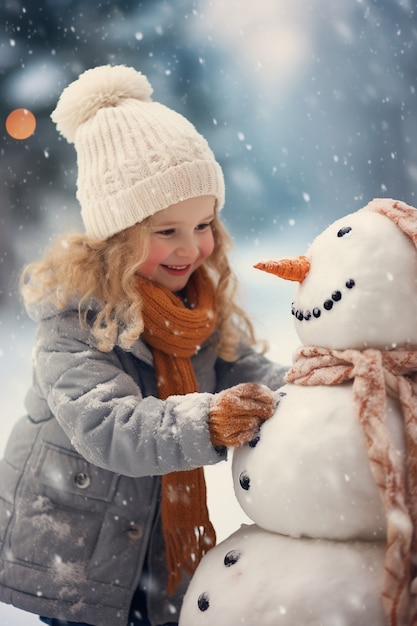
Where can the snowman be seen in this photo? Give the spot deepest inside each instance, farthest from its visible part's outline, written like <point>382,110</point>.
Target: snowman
<point>330,481</point>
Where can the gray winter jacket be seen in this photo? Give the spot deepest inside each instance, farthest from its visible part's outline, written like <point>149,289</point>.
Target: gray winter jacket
<point>80,478</point>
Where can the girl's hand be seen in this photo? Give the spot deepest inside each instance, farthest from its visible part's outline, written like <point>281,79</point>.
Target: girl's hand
<point>236,414</point>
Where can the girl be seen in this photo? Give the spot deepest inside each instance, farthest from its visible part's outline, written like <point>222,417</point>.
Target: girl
<point>144,371</point>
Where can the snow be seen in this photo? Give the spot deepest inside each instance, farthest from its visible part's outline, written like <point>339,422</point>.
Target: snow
<point>329,112</point>
<point>315,435</point>
<point>237,579</point>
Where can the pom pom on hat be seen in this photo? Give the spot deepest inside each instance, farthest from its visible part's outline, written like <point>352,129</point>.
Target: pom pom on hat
<point>96,89</point>
<point>135,156</point>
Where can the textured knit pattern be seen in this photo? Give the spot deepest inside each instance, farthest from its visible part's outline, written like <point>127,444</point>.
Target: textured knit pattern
<point>135,156</point>
<point>402,214</point>
<point>175,333</point>
<point>374,374</point>
<point>236,414</point>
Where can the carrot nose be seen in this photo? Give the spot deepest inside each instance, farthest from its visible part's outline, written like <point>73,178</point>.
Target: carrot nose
<point>295,269</point>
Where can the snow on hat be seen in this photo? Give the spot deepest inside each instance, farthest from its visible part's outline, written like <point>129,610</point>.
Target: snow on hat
<point>135,156</point>
<point>402,214</point>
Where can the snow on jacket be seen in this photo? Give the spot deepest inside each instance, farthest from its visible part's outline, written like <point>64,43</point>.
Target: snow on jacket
<point>80,477</point>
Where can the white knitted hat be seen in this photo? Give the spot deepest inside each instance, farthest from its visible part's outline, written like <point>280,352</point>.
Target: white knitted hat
<point>135,156</point>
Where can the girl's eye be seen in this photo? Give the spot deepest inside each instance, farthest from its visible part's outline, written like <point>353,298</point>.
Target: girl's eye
<point>165,233</point>
<point>203,227</point>
<point>170,232</point>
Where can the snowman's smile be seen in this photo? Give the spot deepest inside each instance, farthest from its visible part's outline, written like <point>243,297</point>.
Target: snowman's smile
<point>327,305</point>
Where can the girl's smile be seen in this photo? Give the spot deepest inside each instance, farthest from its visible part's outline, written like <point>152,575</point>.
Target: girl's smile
<point>176,271</point>
<point>181,240</point>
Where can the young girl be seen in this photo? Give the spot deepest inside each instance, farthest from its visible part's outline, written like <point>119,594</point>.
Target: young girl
<point>144,371</point>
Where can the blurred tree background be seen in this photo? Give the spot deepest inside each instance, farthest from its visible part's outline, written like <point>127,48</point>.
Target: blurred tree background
<point>310,106</point>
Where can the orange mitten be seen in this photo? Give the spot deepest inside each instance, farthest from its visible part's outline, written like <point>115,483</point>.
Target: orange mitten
<point>236,414</point>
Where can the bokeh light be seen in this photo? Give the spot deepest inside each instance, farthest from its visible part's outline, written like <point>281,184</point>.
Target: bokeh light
<point>20,124</point>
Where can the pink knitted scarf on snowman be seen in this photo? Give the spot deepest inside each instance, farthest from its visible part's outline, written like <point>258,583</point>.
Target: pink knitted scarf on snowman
<point>375,374</point>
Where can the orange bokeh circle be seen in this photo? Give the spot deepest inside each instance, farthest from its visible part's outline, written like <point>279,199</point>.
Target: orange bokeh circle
<point>20,124</point>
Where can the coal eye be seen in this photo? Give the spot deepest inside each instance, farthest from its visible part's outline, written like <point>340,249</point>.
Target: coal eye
<point>344,231</point>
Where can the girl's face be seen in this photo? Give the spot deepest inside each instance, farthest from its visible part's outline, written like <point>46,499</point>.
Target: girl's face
<point>181,239</point>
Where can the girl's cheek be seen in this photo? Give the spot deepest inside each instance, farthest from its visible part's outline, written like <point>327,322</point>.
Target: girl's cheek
<point>208,246</point>
<point>157,254</point>
<point>146,269</point>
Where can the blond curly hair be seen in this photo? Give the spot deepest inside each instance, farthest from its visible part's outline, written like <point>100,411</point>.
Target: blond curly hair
<point>105,270</point>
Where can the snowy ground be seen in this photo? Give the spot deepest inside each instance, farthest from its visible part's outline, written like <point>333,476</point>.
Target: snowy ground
<point>268,301</point>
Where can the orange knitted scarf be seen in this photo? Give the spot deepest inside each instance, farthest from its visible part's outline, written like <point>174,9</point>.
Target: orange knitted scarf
<point>375,374</point>
<point>175,332</point>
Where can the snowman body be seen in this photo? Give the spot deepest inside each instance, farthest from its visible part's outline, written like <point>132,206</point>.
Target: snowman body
<point>307,474</point>
<point>255,578</point>
<point>315,554</point>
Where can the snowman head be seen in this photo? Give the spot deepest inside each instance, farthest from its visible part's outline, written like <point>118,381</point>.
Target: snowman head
<point>357,283</point>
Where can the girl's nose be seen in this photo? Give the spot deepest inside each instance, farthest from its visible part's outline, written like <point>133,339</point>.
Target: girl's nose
<point>187,246</point>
